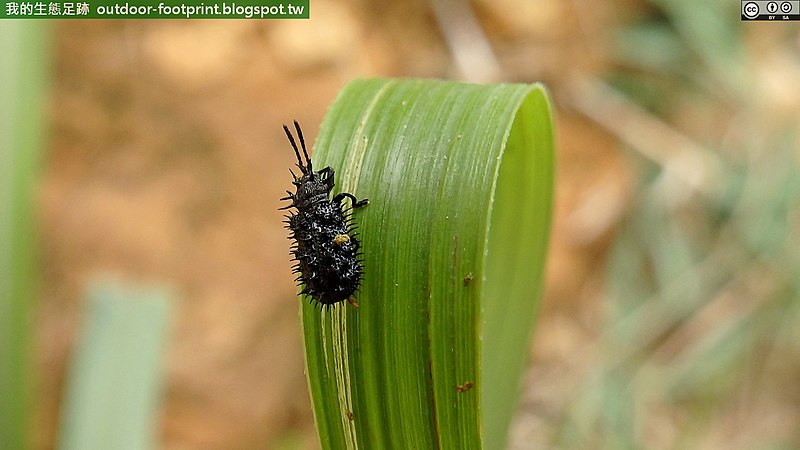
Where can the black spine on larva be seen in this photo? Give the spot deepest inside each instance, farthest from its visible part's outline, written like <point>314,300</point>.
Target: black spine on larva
<point>325,249</point>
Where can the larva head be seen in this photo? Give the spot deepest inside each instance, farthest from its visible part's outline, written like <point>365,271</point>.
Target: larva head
<point>310,185</point>
<point>313,186</point>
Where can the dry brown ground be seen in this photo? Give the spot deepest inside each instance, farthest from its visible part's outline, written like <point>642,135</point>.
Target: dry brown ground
<point>167,161</point>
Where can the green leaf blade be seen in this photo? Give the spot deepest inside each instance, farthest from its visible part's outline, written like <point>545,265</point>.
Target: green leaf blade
<point>114,383</point>
<point>405,369</point>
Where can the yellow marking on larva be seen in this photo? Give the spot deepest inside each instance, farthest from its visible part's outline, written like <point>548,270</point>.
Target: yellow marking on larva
<point>340,239</point>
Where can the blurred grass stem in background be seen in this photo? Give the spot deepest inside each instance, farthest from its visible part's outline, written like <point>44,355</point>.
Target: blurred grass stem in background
<point>22,92</point>
<point>114,386</point>
<point>695,168</point>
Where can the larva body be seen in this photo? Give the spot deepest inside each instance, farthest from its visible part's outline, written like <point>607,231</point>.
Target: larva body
<point>325,249</point>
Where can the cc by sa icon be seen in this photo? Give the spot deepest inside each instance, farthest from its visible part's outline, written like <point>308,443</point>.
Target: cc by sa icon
<point>750,10</point>
<point>772,10</point>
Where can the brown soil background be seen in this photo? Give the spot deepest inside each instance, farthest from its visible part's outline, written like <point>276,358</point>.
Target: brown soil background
<point>166,162</point>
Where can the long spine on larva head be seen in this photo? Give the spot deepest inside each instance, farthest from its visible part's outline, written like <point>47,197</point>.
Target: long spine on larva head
<point>325,249</point>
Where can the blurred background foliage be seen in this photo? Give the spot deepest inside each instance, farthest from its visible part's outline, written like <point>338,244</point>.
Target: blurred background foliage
<point>671,295</point>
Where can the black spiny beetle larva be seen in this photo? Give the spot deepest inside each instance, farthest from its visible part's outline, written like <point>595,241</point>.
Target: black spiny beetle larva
<point>325,248</point>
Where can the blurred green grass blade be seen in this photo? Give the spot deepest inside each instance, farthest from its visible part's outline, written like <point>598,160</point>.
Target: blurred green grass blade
<point>707,29</point>
<point>650,46</point>
<point>115,378</point>
<point>460,181</point>
<point>22,88</point>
